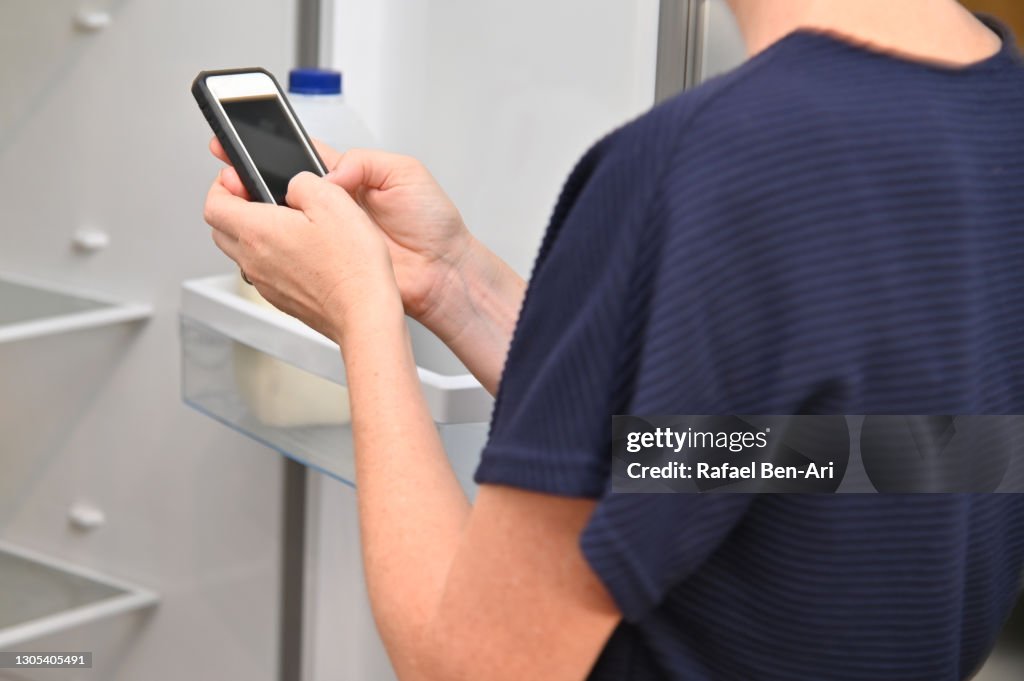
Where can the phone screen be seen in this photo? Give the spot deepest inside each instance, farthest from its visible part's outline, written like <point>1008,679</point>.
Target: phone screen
<point>273,142</point>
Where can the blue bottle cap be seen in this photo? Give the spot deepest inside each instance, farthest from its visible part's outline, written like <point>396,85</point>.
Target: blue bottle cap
<point>314,82</point>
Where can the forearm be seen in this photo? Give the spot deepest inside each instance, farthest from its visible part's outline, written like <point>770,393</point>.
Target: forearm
<point>412,509</point>
<point>475,312</point>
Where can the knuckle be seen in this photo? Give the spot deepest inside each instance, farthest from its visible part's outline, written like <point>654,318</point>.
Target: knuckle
<point>415,168</point>
<point>323,190</point>
<point>316,191</point>
<point>252,240</point>
<point>352,155</point>
<point>410,163</point>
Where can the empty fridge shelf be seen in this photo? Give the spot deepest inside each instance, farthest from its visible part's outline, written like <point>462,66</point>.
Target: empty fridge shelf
<point>43,596</point>
<point>279,382</point>
<point>29,310</point>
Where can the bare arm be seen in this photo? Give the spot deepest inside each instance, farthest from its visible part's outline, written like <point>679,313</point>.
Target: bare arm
<point>496,591</point>
<point>475,311</point>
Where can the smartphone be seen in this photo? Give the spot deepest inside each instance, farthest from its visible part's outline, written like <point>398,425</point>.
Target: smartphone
<point>258,129</point>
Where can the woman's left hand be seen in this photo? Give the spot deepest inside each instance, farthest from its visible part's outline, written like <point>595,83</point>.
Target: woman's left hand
<point>323,261</point>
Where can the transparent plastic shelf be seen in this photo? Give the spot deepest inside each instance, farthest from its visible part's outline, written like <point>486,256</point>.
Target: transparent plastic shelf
<point>272,378</point>
<point>30,310</point>
<point>43,596</point>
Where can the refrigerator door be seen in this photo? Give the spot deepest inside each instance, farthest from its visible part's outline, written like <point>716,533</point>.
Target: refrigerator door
<point>722,47</point>
<point>499,100</point>
<point>697,40</point>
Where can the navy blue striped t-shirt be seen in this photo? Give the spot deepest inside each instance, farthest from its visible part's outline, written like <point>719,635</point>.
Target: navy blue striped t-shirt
<point>826,230</point>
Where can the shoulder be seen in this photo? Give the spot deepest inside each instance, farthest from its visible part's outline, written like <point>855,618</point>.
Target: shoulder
<point>772,100</point>
<point>741,152</point>
<point>706,143</point>
<point>779,96</point>
<point>623,169</point>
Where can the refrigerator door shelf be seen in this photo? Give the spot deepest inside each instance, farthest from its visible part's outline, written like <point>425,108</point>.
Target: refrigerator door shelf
<point>30,310</point>
<point>277,381</point>
<point>43,596</point>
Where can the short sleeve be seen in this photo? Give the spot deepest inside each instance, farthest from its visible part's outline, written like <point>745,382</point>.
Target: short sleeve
<point>643,545</point>
<point>598,337</point>
<point>550,430</point>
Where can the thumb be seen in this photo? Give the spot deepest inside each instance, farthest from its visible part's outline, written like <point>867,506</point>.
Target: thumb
<point>314,195</point>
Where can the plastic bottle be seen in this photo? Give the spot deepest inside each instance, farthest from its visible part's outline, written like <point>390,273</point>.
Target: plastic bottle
<point>316,95</point>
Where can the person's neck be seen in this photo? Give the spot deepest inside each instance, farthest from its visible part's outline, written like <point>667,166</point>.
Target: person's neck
<point>927,30</point>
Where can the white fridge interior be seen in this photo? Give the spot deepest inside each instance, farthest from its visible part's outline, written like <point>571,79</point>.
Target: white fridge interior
<point>107,475</point>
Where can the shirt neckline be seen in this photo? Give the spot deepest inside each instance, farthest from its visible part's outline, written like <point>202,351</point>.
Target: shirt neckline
<point>1008,53</point>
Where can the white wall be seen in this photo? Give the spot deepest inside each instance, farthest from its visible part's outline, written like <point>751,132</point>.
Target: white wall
<point>499,100</point>
<point>101,129</point>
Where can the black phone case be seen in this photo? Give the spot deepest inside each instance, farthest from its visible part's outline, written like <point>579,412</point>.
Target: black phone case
<point>232,145</point>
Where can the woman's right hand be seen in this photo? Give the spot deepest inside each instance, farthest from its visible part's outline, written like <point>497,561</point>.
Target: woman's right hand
<point>425,233</point>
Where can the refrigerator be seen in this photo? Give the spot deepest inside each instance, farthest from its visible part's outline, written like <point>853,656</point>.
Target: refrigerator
<point>153,510</point>
<point>499,100</point>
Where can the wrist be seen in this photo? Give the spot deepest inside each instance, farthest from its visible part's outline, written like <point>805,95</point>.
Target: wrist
<point>447,292</point>
<point>475,286</point>
<point>377,311</point>
<point>441,274</point>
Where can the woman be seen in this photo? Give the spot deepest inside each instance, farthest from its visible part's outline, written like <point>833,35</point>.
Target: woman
<point>832,228</point>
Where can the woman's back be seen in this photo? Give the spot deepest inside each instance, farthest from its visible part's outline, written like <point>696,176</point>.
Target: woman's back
<point>826,230</point>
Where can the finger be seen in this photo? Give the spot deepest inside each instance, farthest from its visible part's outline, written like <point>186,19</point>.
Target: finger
<point>314,195</point>
<point>229,176</point>
<point>234,216</point>
<point>218,150</point>
<point>233,183</point>
<point>368,168</point>
<point>229,245</point>
<point>328,154</point>
<point>219,211</point>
